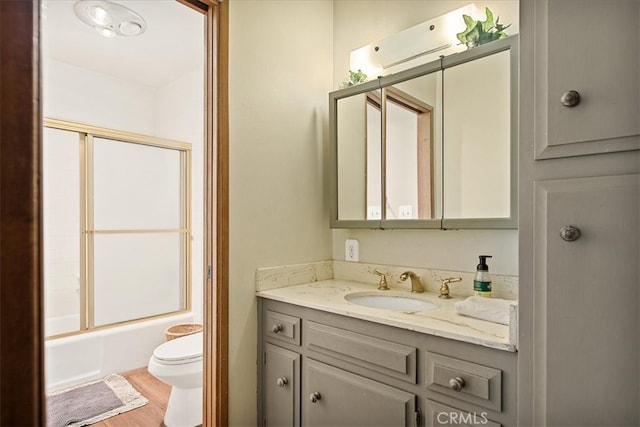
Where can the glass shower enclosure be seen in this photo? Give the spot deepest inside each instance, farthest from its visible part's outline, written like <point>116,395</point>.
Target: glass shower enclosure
<point>117,226</point>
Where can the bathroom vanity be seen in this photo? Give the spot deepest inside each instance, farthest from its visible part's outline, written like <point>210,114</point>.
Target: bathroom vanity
<point>324,361</point>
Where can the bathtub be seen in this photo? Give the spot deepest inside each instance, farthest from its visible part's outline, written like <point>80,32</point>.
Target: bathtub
<point>81,358</point>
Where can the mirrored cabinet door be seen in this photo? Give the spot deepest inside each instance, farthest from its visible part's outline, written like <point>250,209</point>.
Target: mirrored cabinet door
<point>358,156</point>
<point>477,141</point>
<point>430,147</point>
<point>412,117</point>
<point>374,155</point>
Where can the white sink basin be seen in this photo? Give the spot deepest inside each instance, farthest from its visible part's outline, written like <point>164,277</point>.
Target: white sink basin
<point>391,302</point>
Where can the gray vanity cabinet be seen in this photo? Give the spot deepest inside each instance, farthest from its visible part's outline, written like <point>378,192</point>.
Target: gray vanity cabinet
<point>335,397</point>
<point>281,386</point>
<point>580,218</point>
<point>324,369</point>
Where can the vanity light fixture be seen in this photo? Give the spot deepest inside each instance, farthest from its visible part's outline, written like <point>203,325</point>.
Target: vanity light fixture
<point>413,46</point>
<point>110,19</point>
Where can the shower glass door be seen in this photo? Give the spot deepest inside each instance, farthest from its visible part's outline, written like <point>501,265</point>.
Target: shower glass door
<point>117,227</point>
<point>137,231</point>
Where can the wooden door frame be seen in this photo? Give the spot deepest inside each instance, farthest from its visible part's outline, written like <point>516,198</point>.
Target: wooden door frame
<point>21,331</point>
<point>22,388</point>
<point>216,227</point>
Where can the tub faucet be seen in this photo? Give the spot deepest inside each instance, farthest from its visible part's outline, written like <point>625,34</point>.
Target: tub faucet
<point>416,286</point>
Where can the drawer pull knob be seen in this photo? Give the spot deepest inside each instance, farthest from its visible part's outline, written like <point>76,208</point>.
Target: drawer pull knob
<point>315,396</point>
<point>570,98</point>
<point>277,328</point>
<point>456,383</point>
<point>282,382</point>
<point>569,233</point>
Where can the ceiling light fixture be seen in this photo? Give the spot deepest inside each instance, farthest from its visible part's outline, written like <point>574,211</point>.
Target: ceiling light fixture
<point>99,15</point>
<point>110,19</point>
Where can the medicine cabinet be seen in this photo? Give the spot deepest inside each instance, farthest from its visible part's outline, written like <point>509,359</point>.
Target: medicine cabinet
<point>434,146</point>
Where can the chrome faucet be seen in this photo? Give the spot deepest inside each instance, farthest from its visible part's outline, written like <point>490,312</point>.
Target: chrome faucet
<point>416,286</point>
<point>444,289</point>
<point>382,285</point>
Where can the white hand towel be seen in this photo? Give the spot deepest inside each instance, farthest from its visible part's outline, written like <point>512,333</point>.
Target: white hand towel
<point>494,310</point>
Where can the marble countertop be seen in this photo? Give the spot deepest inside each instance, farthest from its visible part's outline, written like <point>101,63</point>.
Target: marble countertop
<point>329,295</point>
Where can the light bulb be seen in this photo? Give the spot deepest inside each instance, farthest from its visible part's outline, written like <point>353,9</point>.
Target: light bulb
<point>99,15</point>
<point>106,32</point>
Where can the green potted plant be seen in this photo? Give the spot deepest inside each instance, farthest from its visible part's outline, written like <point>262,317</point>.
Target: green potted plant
<point>355,78</point>
<point>481,32</point>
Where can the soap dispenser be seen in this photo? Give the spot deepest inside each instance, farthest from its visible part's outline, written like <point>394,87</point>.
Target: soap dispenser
<point>482,280</point>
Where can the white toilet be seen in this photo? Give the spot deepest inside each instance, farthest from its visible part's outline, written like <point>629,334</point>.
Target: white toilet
<point>179,363</point>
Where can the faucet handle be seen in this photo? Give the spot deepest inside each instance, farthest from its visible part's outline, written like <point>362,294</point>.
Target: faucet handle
<point>444,289</point>
<point>382,285</point>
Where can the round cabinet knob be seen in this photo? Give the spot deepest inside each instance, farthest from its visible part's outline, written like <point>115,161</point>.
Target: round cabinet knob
<point>456,383</point>
<point>282,382</point>
<point>569,233</point>
<point>570,98</point>
<point>277,328</point>
<point>315,396</point>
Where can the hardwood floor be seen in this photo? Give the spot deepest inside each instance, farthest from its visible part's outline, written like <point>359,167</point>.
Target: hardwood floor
<point>149,415</point>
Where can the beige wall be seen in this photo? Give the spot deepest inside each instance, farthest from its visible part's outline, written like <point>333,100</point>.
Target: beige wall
<point>280,74</point>
<point>285,56</point>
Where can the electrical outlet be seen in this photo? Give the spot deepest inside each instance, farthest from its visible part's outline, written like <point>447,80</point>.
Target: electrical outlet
<point>351,250</point>
<point>405,211</point>
<point>374,212</point>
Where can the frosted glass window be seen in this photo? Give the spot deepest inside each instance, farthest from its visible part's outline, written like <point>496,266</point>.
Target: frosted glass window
<point>136,186</point>
<point>137,276</point>
<point>61,234</point>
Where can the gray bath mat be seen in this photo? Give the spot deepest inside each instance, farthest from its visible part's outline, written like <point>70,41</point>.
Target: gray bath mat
<point>92,402</point>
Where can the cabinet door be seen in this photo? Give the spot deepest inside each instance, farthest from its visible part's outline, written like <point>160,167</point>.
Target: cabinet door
<point>281,387</point>
<point>333,397</point>
<point>586,302</point>
<point>591,47</point>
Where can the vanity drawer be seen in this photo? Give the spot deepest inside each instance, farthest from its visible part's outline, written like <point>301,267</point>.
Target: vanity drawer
<point>282,327</point>
<point>477,384</point>
<point>386,357</point>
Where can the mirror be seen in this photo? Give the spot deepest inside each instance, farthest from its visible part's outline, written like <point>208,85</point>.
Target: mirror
<point>477,149</point>
<point>412,113</point>
<point>358,156</point>
<point>430,147</point>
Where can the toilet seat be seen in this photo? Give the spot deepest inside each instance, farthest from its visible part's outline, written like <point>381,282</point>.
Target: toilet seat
<point>180,351</point>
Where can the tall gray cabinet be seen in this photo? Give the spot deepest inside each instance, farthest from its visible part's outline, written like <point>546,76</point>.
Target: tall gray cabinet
<point>579,359</point>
